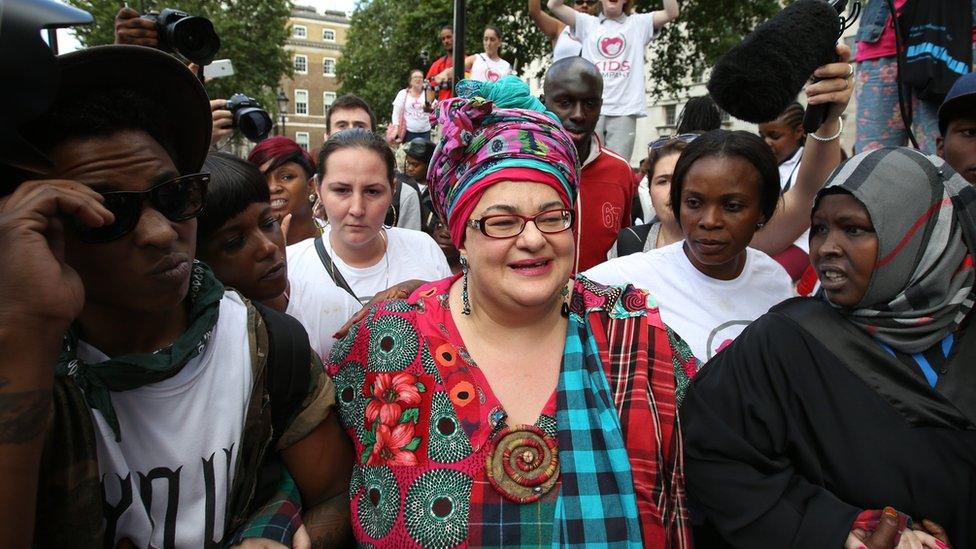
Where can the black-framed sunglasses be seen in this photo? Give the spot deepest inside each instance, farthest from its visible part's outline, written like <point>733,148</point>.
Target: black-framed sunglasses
<point>511,225</point>
<point>587,2</point>
<point>178,200</point>
<point>664,140</point>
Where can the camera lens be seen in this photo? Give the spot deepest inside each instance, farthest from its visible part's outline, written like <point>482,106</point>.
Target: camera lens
<point>254,123</point>
<point>195,39</point>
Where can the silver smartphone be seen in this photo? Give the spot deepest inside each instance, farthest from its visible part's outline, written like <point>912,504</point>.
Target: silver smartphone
<point>218,69</point>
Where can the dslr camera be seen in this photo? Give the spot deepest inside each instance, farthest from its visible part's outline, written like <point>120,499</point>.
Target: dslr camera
<point>253,121</point>
<point>190,36</point>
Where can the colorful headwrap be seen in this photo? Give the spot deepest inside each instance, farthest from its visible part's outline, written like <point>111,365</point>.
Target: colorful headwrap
<point>924,215</point>
<point>493,132</point>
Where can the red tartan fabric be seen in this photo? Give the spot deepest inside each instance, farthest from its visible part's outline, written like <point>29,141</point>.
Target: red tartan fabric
<point>642,361</point>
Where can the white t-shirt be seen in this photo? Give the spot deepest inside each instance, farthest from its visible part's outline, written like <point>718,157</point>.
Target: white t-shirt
<point>170,476</point>
<point>322,309</point>
<point>486,69</point>
<point>417,120</point>
<point>616,47</point>
<point>788,171</point>
<point>566,45</point>
<point>708,313</point>
<point>409,255</point>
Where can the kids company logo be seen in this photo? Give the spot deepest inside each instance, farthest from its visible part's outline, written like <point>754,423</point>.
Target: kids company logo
<point>493,76</point>
<point>612,46</point>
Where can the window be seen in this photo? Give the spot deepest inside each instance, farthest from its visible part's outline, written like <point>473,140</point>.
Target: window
<point>301,101</point>
<point>327,99</point>
<point>299,31</point>
<point>328,35</point>
<point>302,139</point>
<point>328,67</point>
<point>301,64</point>
<point>670,115</point>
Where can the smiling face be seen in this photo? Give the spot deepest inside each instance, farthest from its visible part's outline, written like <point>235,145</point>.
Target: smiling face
<point>416,80</point>
<point>781,138</point>
<point>148,269</point>
<point>843,248</point>
<point>527,270</point>
<point>958,147</point>
<point>720,208</point>
<point>659,185</point>
<point>614,8</point>
<point>247,253</point>
<point>356,193</point>
<point>290,188</point>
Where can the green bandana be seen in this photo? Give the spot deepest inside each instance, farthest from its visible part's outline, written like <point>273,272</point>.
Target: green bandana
<point>133,371</point>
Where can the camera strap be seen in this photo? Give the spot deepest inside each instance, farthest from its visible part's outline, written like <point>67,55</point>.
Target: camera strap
<point>330,268</point>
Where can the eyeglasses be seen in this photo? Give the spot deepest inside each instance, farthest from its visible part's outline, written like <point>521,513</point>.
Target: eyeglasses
<point>662,141</point>
<point>510,225</point>
<point>178,200</point>
<point>587,2</point>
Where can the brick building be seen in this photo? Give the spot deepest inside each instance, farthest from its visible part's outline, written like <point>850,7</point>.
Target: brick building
<point>315,45</point>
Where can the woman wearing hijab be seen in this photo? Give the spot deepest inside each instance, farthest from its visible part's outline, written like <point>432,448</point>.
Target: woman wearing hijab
<point>828,410</point>
<point>510,404</point>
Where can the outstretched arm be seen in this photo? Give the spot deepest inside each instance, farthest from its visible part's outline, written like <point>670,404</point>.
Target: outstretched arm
<point>819,159</point>
<point>549,25</point>
<point>563,12</point>
<point>668,14</point>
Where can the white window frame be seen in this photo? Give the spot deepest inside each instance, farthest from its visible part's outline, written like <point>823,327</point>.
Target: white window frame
<point>302,139</point>
<point>670,115</point>
<point>294,63</point>
<point>328,98</point>
<point>326,38</point>
<point>324,73</point>
<point>295,33</point>
<point>301,102</point>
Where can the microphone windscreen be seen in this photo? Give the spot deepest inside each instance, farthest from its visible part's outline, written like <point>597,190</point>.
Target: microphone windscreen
<point>756,80</point>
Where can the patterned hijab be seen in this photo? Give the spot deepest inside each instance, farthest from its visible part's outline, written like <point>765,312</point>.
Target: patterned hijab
<point>495,132</point>
<point>924,215</point>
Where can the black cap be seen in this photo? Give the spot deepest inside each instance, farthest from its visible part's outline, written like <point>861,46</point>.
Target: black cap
<point>420,148</point>
<point>961,100</point>
<point>156,75</point>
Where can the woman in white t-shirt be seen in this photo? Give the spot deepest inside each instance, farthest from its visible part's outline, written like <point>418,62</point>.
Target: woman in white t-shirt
<point>615,42</point>
<point>357,252</point>
<point>409,108</point>
<point>564,44</point>
<point>488,66</point>
<point>711,285</point>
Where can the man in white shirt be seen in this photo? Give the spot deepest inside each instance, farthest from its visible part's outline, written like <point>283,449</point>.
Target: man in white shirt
<point>615,42</point>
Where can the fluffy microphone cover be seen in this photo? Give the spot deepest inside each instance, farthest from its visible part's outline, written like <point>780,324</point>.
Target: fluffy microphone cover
<point>756,80</point>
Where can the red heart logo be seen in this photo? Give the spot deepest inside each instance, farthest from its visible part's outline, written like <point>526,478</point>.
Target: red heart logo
<point>612,46</point>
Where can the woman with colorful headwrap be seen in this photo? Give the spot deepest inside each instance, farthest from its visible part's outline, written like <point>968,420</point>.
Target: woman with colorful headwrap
<point>838,420</point>
<point>511,404</point>
<point>290,172</point>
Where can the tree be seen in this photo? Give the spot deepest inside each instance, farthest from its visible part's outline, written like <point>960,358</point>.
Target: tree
<point>252,35</point>
<point>386,37</point>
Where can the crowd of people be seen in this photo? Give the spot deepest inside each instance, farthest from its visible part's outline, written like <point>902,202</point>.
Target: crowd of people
<point>507,340</point>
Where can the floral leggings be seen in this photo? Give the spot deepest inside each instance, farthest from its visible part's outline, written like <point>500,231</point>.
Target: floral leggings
<point>879,122</point>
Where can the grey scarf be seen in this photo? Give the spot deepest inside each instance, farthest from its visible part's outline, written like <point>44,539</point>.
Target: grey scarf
<point>924,214</point>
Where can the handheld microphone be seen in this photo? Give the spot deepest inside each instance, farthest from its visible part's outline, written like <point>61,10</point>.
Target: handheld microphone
<point>756,80</point>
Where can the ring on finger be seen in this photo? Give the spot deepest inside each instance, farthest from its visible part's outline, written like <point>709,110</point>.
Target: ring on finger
<point>850,70</point>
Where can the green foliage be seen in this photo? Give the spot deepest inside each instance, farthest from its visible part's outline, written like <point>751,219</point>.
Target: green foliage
<point>252,35</point>
<point>386,37</point>
<point>704,31</point>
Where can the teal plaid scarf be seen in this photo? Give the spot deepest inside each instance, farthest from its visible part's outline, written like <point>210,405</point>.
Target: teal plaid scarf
<point>133,371</point>
<point>597,505</point>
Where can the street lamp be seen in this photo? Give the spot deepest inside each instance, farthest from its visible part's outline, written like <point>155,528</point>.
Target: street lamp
<point>282,101</point>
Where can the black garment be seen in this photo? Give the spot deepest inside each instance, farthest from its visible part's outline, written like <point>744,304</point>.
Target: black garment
<point>787,439</point>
